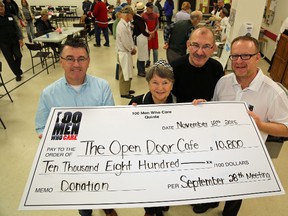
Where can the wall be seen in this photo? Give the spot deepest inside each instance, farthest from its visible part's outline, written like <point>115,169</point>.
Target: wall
<point>246,14</point>
<point>280,15</point>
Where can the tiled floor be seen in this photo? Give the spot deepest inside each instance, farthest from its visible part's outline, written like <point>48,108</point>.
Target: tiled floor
<point>19,142</point>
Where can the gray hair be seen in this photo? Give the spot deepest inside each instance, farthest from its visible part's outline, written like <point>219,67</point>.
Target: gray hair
<point>162,69</point>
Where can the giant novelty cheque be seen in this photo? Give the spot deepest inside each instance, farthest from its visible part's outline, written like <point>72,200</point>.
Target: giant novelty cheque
<point>127,156</point>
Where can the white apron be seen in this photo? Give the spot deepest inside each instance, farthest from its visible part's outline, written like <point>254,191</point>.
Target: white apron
<point>142,47</point>
<point>126,63</point>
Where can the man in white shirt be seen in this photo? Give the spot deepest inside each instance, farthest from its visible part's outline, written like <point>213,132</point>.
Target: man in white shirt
<point>268,101</point>
<point>125,49</point>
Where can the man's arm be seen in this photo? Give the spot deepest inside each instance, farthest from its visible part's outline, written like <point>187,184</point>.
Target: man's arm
<point>41,116</point>
<point>271,128</point>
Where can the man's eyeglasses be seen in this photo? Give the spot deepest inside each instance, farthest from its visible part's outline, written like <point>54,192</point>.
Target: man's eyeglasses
<point>243,56</point>
<point>205,48</point>
<point>70,59</point>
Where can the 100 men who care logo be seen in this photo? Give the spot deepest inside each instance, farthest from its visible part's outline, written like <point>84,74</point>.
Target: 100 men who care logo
<point>67,126</point>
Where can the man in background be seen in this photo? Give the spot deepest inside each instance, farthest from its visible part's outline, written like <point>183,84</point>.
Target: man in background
<point>177,34</point>
<point>11,40</point>
<point>100,14</point>
<point>125,49</point>
<point>151,20</point>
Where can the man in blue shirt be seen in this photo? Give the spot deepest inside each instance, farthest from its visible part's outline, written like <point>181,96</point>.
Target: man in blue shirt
<point>75,89</point>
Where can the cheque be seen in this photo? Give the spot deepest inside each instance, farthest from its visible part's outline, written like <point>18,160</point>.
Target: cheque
<point>116,157</point>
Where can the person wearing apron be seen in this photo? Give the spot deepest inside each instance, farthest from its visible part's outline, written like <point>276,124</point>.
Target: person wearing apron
<point>141,36</point>
<point>125,49</point>
<point>151,19</point>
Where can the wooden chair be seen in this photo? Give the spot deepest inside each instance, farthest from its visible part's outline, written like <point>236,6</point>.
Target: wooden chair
<point>2,84</point>
<point>36,51</point>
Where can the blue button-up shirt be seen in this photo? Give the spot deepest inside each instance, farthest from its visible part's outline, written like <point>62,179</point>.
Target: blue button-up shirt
<point>94,92</point>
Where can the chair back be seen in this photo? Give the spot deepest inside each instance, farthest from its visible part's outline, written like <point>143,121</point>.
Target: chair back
<point>34,46</point>
<point>79,25</point>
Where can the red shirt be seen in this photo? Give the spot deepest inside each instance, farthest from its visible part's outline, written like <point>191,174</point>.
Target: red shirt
<point>100,13</point>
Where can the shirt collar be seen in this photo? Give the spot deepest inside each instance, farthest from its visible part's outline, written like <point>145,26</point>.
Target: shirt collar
<point>256,82</point>
<point>83,84</point>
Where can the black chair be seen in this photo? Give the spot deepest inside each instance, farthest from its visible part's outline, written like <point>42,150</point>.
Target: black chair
<point>2,83</point>
<point>84,32</point>
<point>39,53</point>
<point>2,123</point>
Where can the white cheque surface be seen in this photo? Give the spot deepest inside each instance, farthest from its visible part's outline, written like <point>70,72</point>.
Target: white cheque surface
<point>120,157</point>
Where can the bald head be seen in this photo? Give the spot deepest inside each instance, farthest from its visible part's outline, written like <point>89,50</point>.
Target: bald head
<point>196,17</point>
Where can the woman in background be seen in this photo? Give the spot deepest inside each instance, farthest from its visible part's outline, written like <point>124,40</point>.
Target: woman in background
<point>28,20</point>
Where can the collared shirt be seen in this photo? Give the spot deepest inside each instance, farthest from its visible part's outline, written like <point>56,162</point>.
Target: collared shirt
<point>124,40</point>
<point>269,101</point>
<point>94,92</point>
<point>182,15</point>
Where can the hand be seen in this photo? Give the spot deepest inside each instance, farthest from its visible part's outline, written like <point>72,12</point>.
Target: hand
<point>133,52</point>
<point>165,46</point>
<point>197,101</point>
<point>256,118</point>
<point>21,43</point>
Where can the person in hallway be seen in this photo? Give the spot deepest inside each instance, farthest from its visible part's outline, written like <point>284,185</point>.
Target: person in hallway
<point>196,73</point>
<point>114,27</point>
<point>184,13</point>
<point>177,34</point>
<point>141,36</point>
<point>268,101</point>
<point>222,25</point>
<point>11,7</point>
<point>155,8</point>
<point>100,14</point>
<point>216,13</point>
<point>28,19</point>
<point>160,9</point>
<point>151,20</point>
<point>11,40</point>
<point>75,89</point>
<point>125,49</point>
<point>168,10</point>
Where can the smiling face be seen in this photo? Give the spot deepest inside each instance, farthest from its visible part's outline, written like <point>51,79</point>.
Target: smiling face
<point>160,88</point>
<point>75,72</point>
<point>201,46</point>
<point>245,70</point>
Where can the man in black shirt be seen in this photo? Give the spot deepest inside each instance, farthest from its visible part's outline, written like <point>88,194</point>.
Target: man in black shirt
<point>196,74</point>
<point>11,39</point>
